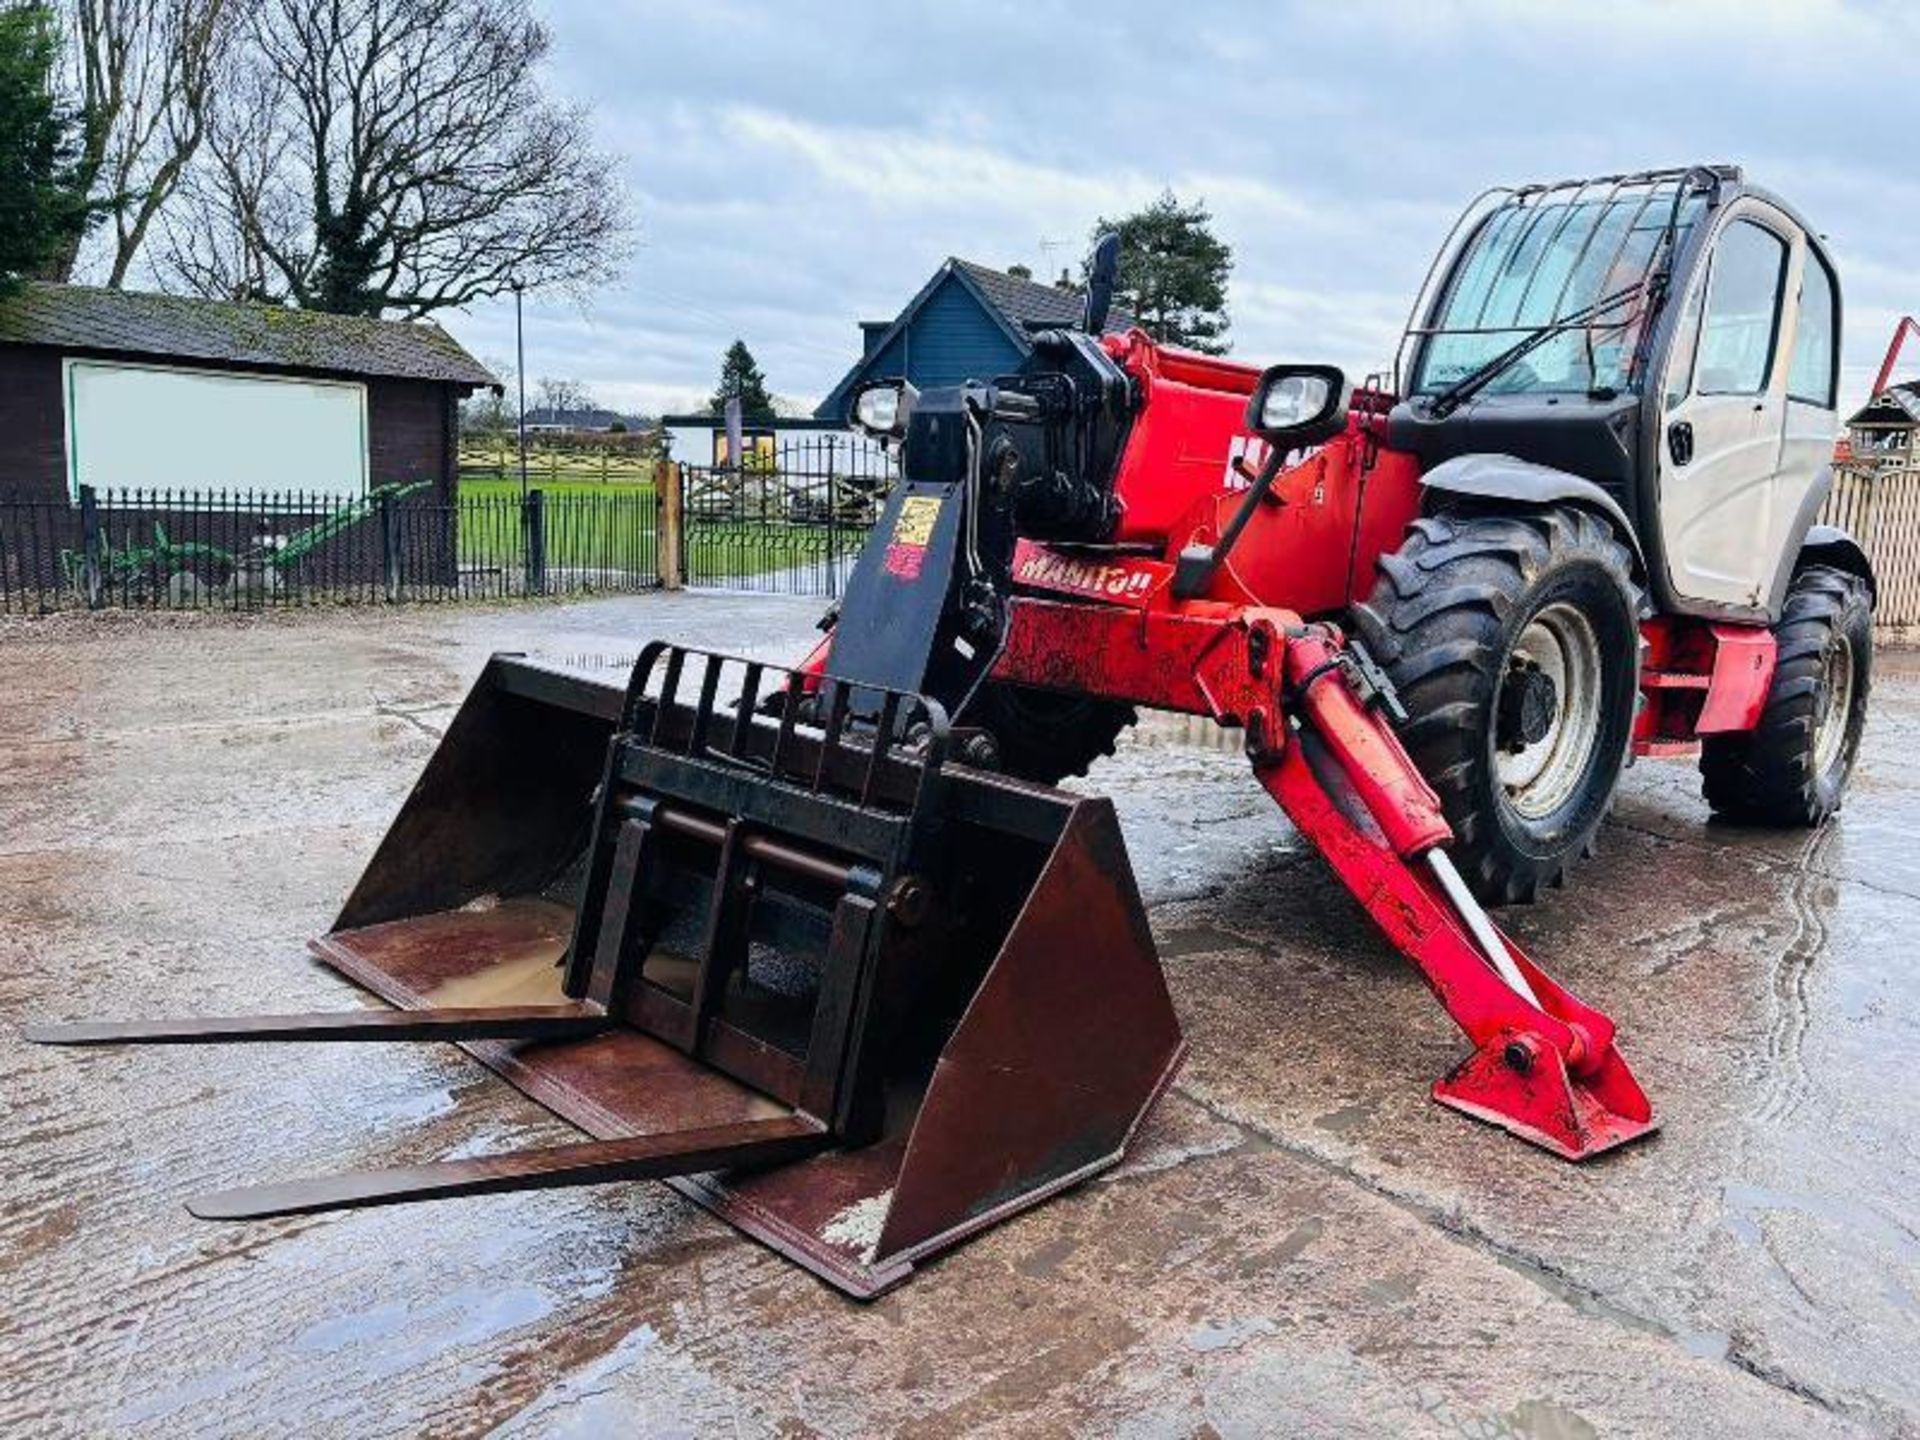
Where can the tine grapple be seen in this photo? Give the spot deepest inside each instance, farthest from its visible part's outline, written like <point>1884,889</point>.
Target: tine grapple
<point>754,936</point>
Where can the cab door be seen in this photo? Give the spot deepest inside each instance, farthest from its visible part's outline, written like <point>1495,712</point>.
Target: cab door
<point>1724,416</point>
<point>1812,355</point>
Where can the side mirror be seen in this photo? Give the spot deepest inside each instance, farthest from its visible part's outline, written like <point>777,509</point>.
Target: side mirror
<point>1296,405</point>
<point>882,408</point>
<point>1102,275</point>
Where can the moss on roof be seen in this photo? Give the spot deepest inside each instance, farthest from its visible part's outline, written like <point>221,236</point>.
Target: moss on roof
<point>79,317</point>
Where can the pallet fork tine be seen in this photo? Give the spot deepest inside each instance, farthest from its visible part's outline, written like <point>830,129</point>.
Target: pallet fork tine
<point>500,1022</point>
<point>771,1141</point>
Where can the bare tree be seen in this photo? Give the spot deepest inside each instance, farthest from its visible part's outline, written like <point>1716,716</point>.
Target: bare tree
<point>396,156</point>
<point>487,410</point>
<point>560,395</point>
<point>143,75</point>
<point>215,240</point>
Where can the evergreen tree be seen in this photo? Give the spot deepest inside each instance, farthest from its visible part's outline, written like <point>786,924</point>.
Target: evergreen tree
<point>1173,273</point>
<point>739,375</point>
<point>41,208</point>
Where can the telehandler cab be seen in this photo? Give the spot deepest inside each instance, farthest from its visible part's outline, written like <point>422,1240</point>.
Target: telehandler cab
<point>786,937</point>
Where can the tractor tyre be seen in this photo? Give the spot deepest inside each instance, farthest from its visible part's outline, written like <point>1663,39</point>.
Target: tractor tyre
<point>1514,641</point>
<point>1044,735</point>
<point>1791,769</point>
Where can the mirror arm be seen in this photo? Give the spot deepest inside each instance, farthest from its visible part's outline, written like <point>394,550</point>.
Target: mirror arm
<point>1193,573</point>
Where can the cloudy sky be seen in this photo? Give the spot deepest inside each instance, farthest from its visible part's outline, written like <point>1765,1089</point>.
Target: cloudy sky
<point>797,167</point>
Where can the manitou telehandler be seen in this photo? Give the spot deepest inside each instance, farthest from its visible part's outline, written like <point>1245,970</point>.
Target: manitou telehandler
<point>822,946</point>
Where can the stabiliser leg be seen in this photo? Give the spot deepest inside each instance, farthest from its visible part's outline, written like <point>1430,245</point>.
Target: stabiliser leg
<point>1544,1065</point>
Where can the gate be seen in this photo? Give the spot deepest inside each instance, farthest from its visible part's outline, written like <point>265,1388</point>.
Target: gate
<point>788,522</point>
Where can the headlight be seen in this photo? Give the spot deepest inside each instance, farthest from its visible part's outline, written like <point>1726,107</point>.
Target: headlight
<point>882,409</point>
<point>1297,405</point>
<point>1294,400</point>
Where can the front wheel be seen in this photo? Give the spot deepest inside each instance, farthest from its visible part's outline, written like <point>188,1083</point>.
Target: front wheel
<point>1514,640</point>
<point>1792,768</point>
<point>1044,735</point>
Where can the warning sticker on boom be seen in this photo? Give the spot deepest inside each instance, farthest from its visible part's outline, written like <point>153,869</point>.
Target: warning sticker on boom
<point>918,513</point>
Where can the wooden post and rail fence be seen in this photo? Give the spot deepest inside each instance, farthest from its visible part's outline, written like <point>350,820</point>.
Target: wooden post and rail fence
<point>1881,509</point>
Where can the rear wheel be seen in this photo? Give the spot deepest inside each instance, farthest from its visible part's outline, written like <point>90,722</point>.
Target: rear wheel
<point>1792,768</point>
<point>1046,735</point>
<point>1514,641</point>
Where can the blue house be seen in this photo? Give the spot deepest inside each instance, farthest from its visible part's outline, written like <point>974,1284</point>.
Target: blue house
<point>968,322</point>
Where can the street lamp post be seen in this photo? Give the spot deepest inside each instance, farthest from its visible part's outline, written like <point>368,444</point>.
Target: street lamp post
<point>520,374</point>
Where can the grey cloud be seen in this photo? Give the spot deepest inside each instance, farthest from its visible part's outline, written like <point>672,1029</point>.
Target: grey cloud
<point>800,167</point>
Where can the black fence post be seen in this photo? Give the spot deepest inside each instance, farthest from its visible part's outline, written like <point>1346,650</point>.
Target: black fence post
<point>390,547</point>
<point>535,524</point>
<point>90,579</point>
<point>833,524</point>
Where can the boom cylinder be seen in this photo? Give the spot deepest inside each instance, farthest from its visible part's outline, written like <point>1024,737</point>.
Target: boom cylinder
<point>1400,801</point>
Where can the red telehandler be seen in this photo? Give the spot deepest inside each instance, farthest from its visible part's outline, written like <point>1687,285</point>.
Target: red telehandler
<point>824,949</point>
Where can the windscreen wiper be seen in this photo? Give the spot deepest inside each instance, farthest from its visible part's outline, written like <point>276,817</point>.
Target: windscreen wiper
<point>1445,402</point>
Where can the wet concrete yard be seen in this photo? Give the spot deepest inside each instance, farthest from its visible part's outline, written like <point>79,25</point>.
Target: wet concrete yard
<point>1300,1243</point>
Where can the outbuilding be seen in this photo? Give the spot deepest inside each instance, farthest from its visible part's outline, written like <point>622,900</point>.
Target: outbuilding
<point>123,392</point>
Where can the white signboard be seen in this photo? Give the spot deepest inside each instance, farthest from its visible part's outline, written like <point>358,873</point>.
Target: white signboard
<point>150,427</point>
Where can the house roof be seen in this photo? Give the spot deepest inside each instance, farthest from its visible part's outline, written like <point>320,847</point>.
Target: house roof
<point>178,327</point>
<point>1019,307</point>
<point>707,420</point>
<point>1897,404</point>
<point>1028,303</point>
<point>592,418</point>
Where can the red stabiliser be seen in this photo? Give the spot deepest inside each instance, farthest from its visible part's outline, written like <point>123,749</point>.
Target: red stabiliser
<point>1548,1073</point>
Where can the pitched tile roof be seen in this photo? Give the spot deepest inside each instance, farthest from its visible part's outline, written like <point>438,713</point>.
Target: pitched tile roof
<point>79,317</point>
<point>1032,305</point>
<point>1904,397</point>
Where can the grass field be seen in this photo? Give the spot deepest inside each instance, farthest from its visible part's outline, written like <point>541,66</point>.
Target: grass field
<point>600,515</point>
<point>613,527</point>
<point>598,527</point>
<point>717,552</point>
<point>491,487</point>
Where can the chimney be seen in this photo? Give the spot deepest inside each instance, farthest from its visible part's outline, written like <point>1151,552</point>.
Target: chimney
<point>870,333</point>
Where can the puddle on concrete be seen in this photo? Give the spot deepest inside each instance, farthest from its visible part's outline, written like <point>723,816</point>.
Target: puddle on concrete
<point>396,1337</point>
<point>581,1404</point>
<point>1228,1334</point>
<point>167,1404</point>
<point>1746,1207</point>
<point>1197,940</point>
<point>1544,1420</point>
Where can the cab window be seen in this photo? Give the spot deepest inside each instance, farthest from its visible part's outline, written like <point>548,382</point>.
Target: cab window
<point>1811,378</point>
<point>1741,323</point>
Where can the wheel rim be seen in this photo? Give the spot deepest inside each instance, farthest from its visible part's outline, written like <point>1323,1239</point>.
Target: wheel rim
<point>1834,704</point>
<point>1539,775</point>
